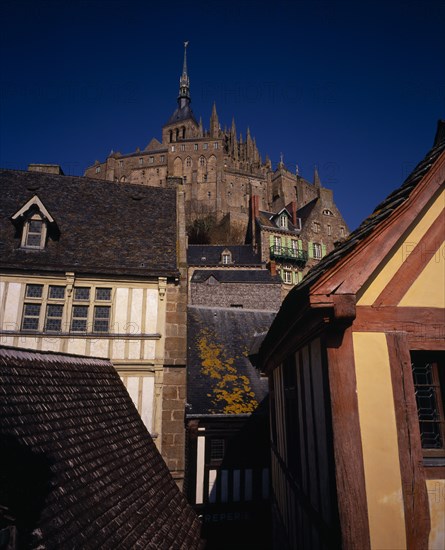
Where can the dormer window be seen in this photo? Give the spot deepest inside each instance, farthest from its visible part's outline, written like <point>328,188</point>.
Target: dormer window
<point>34,233</point>
<point>283,221</point>
<point>35,219</point>
<point>226,257</point>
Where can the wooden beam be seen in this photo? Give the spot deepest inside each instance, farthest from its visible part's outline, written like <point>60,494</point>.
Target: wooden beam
<point>348,452</point>
<point>415,496</point>
<point>417,260</point>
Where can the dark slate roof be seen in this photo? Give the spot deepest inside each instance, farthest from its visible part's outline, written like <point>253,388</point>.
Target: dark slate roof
<point>242,255</point>
<point>102,227</point>
<point>179,115</point>
<point>78,467</point>
<point>381,212</point>
<point>305,211</point>
<point>221,379</point>
<point>266,220</point>
<point>254,276</point>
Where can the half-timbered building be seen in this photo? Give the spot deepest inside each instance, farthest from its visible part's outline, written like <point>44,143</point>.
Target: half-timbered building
<point>355,359</point>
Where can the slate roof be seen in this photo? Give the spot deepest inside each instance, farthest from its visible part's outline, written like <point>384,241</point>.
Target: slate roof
<point>102,227</point>
<point>266,220</point>
<point>179,114</point>
<point>251,276</point>
<point>381,212</point>
<point>221,379</point>
<point>209,255</point>
<point>78,467</point>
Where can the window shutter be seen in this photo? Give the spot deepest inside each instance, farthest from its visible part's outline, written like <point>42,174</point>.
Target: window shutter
<point>300,244</point>
<point>310,249</point>
<point>294,277</point>
<point>271,240</point>
<point>323,250</point>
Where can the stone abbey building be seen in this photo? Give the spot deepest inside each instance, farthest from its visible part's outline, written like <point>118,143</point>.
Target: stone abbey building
<point>233,194</point>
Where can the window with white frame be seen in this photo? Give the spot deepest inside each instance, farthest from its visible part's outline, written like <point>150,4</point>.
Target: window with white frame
<point>277,243</point>
<point>316,249</point>
<point>34,232</point>
<point>205,146</point>
<point>90,310</point>
<point>283,221</point>
<point>287,276</point>
<point>226,257</point>
<point>195,146</point>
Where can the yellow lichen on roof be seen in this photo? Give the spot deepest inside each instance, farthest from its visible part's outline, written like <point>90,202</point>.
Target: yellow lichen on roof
<point>232,391</point>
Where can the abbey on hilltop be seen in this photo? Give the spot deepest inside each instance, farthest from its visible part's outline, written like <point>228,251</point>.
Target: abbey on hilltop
<point>232,195</point>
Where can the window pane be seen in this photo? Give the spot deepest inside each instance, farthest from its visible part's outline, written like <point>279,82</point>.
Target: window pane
<point>34,291</point>
<point>101,318</point>
<point>56,292</point>
<point>31,314</point>
<point>216,449</point>
<point>103,294</point>
<point>33,240</point>
<point>81,293</point>
<point>54,314</point>
<point>32,310</point>
<point>35,226</point>
<point>79,319</point>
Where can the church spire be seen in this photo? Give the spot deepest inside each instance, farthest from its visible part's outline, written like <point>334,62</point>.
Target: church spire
<point>184,82</point>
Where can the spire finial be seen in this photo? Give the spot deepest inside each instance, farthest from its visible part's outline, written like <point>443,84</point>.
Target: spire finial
<point>184,82</point>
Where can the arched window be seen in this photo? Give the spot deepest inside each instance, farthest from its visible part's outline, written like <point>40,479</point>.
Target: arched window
<point>188,162</point>
<point>202,161</point>
<point>226,257</point>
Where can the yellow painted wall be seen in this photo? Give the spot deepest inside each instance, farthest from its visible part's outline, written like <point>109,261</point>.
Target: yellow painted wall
<point>390,266</point>
<point>379,441</point>
<point>428,290</point>
<point>436,498</point>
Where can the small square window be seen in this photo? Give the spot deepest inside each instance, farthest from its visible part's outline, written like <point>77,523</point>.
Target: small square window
<point>56,292</point>
<point>195,147</point>
<point>81,294</point>
<point>103,294</point>
<point>34,291</point>
<point>182,147</point>
<point>162,159</point>
<point>215,145</point>
<point>205,146</point>
<point>172,149</point>
<point>151,160</point>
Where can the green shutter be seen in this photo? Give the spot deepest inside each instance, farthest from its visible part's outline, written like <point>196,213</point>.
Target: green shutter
<point>310,249</point>
<point>295,277</point>
<point>271,241</point>
<point>300,244</point>
<point>323,250</point>
<point>288,243</point>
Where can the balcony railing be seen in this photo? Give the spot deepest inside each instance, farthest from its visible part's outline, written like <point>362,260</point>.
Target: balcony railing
<point>283,253</point>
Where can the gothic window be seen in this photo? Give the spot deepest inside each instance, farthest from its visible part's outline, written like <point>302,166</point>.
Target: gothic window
<point>188,162</point>
<point>429,386</point>
<point>202,161</point>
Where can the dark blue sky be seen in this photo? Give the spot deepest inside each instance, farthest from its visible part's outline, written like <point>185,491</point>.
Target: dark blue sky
<point>355,88</point>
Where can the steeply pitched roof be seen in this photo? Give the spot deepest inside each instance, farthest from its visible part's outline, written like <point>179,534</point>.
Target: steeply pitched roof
<point>266,220</point>
<point>78,467</point>
<point>103,227</point>
<point>221,379</point>
<point>253,276</point>
<point>298,295</point>
<point>181,114</point>
<point>210,255</point>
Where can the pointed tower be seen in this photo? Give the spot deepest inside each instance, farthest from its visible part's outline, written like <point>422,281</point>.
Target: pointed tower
<point>182,123</point>
<point>214,123</point>
<point>233,140</point>
<point>317,182</point>
<point>249,147</point>
<point>184,83</point>
<point>200,131</point>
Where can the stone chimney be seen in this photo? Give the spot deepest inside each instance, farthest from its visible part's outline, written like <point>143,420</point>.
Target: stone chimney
<point>294,212</point>
<point>255,210</point>
<point>273,268</point>
<point>46,169</point>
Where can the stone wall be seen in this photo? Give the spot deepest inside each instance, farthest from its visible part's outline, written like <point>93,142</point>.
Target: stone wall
<point>247,295</point>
